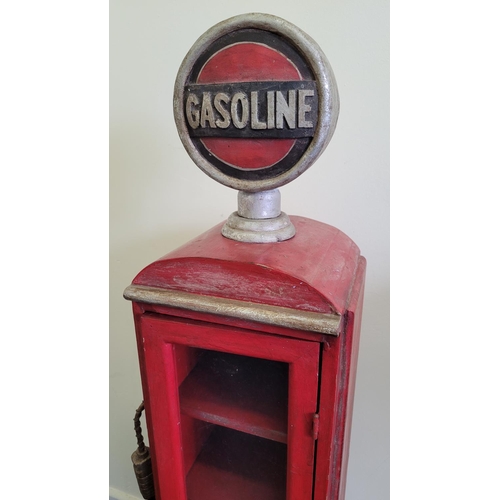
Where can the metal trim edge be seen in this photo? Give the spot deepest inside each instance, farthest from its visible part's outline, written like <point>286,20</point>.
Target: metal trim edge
<point>326,323</point>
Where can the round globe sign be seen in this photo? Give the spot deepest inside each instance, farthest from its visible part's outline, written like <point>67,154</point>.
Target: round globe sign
<point>255,102</point>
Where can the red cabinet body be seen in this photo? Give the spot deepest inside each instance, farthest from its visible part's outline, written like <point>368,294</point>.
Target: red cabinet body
<point>247,355</point>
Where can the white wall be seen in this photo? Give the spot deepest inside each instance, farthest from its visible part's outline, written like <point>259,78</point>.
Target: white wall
<point>159,199</point>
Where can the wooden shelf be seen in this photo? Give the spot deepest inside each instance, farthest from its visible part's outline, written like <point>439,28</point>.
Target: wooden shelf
<point>238,392</point>
<point>237,466</point>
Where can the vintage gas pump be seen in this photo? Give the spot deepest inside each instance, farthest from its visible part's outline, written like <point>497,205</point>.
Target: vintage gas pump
<point>248,335</point>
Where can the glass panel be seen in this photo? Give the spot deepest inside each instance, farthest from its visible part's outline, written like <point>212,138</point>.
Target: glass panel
<point>234,425</point>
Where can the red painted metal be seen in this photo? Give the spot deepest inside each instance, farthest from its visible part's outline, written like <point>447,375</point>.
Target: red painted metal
<point>248,62</point>
<point>313,271</point>
<point>264,431</point>
<point>249,154</point>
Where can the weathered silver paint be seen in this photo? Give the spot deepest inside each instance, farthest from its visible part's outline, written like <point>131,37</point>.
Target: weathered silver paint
<point>259,219</point>
<point>271,315</point>
<point>261,205</point>
<point>258,230</point>
<point>290,106</point>
<point>270,110</point>
<point>193,116</point>
<point>285,110</point>
<point>221,97</point>
<point>304,108</point>
<point>256,124</point>
<point>239,121</point>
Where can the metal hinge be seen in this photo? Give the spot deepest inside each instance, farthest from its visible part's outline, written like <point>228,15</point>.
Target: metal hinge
<point>315,426</point>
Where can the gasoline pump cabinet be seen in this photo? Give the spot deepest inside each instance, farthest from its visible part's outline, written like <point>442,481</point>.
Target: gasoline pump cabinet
<point>248,335</point>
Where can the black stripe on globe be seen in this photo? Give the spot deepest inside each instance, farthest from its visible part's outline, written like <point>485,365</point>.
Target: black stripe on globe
<point>260,110</point>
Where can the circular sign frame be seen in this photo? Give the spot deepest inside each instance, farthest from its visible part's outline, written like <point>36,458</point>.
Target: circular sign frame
<point>316,64</point>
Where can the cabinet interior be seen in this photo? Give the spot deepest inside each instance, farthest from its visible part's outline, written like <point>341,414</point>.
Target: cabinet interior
<point>234,424</point>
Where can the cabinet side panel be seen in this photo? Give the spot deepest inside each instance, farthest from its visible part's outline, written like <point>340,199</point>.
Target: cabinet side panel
<point>354,321</point>
<point>330,390</point>
<point>338,375</point>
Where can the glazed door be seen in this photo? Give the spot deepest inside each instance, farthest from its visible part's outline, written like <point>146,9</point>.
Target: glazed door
<point>230,411</point>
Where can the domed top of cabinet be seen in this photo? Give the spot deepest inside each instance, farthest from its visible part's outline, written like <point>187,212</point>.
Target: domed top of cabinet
<point>314,271</point>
